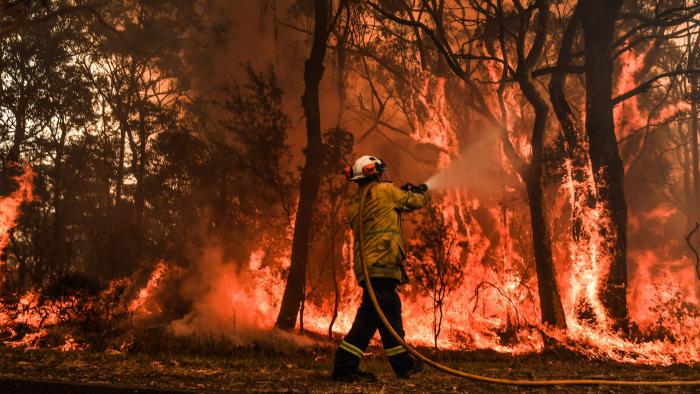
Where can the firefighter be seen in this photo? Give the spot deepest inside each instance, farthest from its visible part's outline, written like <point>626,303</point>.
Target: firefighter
<point>384,251</point>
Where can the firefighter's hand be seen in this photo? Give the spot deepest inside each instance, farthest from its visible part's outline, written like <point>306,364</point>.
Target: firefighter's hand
<point>409,187</point>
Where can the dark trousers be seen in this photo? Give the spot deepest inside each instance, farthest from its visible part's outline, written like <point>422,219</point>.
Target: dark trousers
<point>347,357</point>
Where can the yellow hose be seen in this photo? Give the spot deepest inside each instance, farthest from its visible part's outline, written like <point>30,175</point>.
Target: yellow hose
<point>480,378</point>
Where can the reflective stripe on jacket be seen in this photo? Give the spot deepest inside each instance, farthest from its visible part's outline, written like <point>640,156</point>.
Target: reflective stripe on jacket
<point>382,228</point>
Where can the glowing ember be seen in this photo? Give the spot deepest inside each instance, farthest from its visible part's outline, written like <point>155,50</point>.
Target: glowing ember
<point>29,341</point>
<point>71,345</point>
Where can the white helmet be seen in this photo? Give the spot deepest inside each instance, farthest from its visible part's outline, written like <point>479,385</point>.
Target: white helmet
<point>365,167</point>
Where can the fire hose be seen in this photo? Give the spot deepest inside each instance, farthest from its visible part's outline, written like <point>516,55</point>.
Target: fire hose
<point>479,378</point>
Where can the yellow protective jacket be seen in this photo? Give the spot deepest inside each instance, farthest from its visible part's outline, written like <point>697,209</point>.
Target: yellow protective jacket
<point>382,228</point>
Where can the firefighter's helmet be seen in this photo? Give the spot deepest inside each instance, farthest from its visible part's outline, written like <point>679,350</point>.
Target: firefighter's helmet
<point>365,167</point>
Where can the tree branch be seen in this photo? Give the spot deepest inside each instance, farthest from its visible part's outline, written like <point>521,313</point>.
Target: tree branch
<point>646,85</point>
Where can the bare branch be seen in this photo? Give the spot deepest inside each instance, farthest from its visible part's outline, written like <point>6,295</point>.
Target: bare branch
<point>648,84</point>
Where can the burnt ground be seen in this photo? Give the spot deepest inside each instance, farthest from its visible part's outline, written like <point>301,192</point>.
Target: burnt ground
<point>269,370</point>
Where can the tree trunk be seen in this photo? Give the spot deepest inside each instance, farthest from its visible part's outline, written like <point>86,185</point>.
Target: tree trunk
<point>336,299</point>
<point>687,181</point>
<point>570,124</point>
<point>20,121</point>
<point>58,253</point>
<point>693,131</point>
<point>598,18</point>
<point>341,59</point>
<point>691,172</point>
<point>694,151</point>
<point>120,165</point>
<point>140,173</point>
<point>18,138</point>
<point>310,175</point>
<point>550,301</point>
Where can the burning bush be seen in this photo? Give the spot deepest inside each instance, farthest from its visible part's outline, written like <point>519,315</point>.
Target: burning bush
<point>435,261</point>
<point>84,313</point>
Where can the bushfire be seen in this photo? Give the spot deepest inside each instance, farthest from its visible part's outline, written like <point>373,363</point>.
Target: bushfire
<point>494,307</point>
<point>493,302</point>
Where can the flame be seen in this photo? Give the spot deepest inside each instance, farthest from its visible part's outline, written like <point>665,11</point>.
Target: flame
<point>492,308</point>
<point>40,314</point>
<point>590,267</point>
<point>627,115</point>
<point>10,210</point>
<point>435,128</point>
<point>144,304</point>
<point>71,345</point>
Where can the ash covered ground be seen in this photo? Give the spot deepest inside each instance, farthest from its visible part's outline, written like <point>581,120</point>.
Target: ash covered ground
<point>266,369</point>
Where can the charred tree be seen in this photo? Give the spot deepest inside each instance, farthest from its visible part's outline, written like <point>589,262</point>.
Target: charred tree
<point>572,128</point>
<point>120,166</point>
<point>550,300</point>
<point>694,200</point>
<point>310,174</point>
<point>598,18</point>
<point>57,231</point>
<point>570,125</point>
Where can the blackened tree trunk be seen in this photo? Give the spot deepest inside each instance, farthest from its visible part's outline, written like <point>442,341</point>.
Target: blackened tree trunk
<point>598,17</point>
<point>140,174</point>
<point>694,201</point>
<point>19,134</point>
<point>571,126</point>
<point>569,123</point>
<point>311,173</point>
<point>120,166</point>
<point>20,119</point>
<point>58,254</point>
<point>694,150</point>
<point>550,300</point>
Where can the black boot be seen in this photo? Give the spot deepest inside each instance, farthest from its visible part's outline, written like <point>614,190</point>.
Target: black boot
<point>414,369</point>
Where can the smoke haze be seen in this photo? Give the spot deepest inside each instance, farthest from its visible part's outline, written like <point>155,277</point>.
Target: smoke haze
<point>224,303</point>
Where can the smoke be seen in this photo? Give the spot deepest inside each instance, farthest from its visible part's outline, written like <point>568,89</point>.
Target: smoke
<point>475,169</point>
<point>254,37</point>
<point>227,301</point>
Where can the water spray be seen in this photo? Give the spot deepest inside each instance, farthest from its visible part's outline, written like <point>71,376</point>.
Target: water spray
<point>476,169</point>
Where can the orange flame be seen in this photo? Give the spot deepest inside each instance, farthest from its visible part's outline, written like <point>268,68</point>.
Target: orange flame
<point>435,128</point>
<point>10,205</point>
<point>144,304</point>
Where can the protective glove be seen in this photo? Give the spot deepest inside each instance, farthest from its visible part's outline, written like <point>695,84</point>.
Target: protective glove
<point>409,187</point>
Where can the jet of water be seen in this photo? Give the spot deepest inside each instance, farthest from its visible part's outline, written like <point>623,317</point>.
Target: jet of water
<point>476,169</point>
